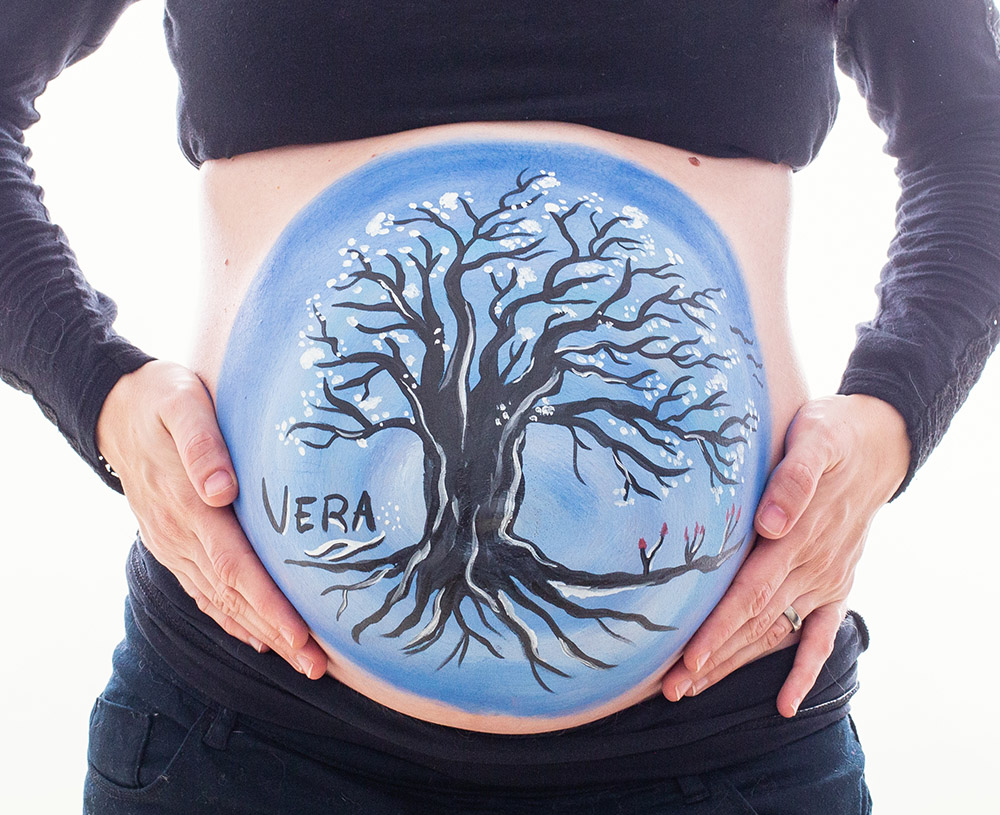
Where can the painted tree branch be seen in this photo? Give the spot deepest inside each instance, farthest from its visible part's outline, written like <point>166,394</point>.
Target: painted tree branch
<point>485,362</point>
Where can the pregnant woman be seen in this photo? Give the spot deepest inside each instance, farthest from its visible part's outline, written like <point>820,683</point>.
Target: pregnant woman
<point>493,484</point>
<point>506,364</point>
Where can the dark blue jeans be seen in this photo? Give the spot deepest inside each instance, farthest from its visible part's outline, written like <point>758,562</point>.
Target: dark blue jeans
<point>156,748</point>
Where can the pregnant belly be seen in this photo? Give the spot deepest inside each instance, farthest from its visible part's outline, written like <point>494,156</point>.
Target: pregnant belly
<point>500,420</point>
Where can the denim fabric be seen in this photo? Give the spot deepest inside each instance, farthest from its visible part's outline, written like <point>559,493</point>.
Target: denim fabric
<point>157,747</point>
<point>734,720</point>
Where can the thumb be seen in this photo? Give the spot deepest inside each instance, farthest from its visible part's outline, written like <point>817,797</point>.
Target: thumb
<point>791,486</point>
<point>190,420</point>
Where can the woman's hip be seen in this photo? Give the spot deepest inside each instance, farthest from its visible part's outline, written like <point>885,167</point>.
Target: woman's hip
<point>159,745</point>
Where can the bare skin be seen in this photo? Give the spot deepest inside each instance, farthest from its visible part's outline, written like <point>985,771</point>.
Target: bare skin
<point>836,459</point>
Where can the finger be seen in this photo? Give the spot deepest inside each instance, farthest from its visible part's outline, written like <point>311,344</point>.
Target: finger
<point>225,622</point>
<point>819,630</point>
<point>779,630</point>
<point>189,417</point>
<point>243,589</point>
<point>196,587</point>
<point>792,485</point>
<point>760,627</point>
<point>227,608</point>
<point>750,593</point>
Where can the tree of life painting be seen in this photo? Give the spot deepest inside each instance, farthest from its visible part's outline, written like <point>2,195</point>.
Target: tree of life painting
<point>498,415</point>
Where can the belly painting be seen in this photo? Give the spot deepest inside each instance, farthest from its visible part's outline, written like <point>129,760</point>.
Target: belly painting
<point>499,418</point>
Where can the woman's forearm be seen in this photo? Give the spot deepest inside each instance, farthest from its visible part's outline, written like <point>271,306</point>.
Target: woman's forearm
<point>931,77</point>
<point>56,336</point>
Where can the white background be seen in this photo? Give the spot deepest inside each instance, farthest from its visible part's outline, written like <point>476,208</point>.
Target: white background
<point>106,154</point>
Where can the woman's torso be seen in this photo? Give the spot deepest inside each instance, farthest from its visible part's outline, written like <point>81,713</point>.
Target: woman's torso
<point>248,203</point>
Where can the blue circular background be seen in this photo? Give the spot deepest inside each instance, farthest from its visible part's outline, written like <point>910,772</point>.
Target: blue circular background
<point>270,380</point>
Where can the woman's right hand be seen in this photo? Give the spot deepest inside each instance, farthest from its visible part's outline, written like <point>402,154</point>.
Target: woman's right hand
<point>158,430</point>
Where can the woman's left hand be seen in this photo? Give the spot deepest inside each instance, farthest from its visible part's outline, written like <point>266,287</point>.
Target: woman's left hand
<point>845,456</point>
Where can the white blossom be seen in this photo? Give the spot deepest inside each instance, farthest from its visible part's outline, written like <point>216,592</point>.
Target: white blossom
<point>376,226</point>
<point>638,218</point>
<point>526,275</point>
<point>309,356</point>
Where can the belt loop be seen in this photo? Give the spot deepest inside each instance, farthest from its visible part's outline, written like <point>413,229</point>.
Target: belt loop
<point>217,736</point>
<point>693,789</point>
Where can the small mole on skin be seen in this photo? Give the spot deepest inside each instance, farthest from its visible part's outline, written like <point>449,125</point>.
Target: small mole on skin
<point>227,261</point>
<point>694,160</point>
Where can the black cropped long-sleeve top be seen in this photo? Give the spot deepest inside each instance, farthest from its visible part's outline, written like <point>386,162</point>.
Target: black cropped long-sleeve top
<point>754,78</point>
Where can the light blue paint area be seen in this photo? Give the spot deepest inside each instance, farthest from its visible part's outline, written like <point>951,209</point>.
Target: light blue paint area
<point>272,407</point>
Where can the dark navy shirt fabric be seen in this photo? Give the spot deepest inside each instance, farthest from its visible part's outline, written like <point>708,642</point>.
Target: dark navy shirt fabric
<point>727,79</point>
<point>753,78</point>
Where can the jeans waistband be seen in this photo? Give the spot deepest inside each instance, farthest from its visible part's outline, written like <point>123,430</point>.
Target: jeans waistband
<point>733,721</point>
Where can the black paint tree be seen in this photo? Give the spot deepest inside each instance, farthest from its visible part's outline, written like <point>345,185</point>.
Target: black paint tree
<point>492,364</point>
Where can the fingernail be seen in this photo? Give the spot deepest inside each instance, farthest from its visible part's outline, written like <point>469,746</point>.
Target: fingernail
<point>257,645</point>
<point>218,482</point>
<point>287,636</point>
<point>795,705</point>
<point>699,663</point>
<point>773,519</point>
<point>698,686</point>
<point>682,688</point>
<point>305,664</point>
